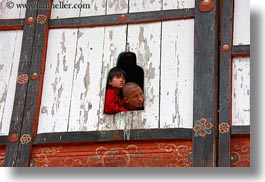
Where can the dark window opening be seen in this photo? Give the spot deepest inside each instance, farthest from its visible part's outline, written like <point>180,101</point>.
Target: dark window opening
<point>125,85</point>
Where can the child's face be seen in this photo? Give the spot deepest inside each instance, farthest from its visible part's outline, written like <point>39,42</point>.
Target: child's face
<point>117,82</point>
<point>135,98</point>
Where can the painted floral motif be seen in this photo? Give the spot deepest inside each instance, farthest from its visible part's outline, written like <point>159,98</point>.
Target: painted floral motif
<point>224,128</point>
<point>43,155</point>
<point>22,78</point>
<point>240,152</point>
<point>203,127</point>
<point>182,154</point>
<point>41,19</point>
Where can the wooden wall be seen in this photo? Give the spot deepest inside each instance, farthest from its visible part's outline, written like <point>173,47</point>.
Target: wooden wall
<point>10,47</point>
<point>78,61</point>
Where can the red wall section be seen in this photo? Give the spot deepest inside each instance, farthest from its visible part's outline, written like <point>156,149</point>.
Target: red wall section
<point>240,152</point>
<point>125,154</point>
<point>2,155</point>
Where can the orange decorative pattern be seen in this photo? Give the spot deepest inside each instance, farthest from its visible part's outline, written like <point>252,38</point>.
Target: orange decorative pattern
<point>240,152</point>
<point>125,154</point>
<point>2,156</point>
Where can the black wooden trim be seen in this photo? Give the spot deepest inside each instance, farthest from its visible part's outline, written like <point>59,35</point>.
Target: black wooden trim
<point>21,89</point>
<point>3,140</point>
<point>115,135</point>
<point>205,85</point>
<point>241,50</point>
<point>33,88</point>
<point>131,18</point>
<point>11,24</point>
<point>240,130</point>
<point>224,83</point>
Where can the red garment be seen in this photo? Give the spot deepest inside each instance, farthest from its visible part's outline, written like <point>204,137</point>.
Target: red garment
<point>113,103</point>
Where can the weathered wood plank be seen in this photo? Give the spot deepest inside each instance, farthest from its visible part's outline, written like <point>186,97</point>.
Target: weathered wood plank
<point>145,5</point>
<point>10,47</point>
<point>21,88</point>
<point>205,86</point>
<point>241,34</point>
<point>178,4</point>
<point>66,9</point>
<point>11,24</point>
<point>241,50</point>
<point>117,6</point>
<point>114,44</point>
<point>85,95</point>
<point>113,135</point>
<point>131,18</point>
<point>225,84</point>
<point>78,8</point>
<point>177,62</point>
<point>240,90</point>
<point>58,78</point>
<point>9,9</point>
<point>3,140</point>
<point>144,41</point>
<point>175,153</point>
<point>240,130</point>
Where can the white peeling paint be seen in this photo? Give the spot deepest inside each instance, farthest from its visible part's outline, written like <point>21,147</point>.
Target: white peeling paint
<point>10,10</point>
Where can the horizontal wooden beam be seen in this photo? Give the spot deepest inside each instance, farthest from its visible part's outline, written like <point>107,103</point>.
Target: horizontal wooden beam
<point>241,50</point>
<point>240,130</point>
<point>114,135</point>
<point>11,24</point>
<point>3,140</point>
<point>120,19</point>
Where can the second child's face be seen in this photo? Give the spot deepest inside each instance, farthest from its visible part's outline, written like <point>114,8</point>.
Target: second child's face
<point>117,82</point>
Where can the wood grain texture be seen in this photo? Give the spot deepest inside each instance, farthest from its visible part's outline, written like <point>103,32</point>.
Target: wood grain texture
<point>178,4</point>
<point>240,152</point>
<point>241,34</point>
<point>177,67</point>
<point>241,89</point>
<point>9,9</point>
<point>2,155</point>
<point>130,154</point>
<point>10,47</point>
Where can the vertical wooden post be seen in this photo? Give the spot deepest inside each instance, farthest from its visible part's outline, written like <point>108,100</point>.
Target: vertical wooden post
<point>21,88</point>
<point>30,119</point>
<point>225,84</point>
<point>205,83</point>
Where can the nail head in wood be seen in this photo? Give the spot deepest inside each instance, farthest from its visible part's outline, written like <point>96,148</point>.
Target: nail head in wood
<point>122,17</point>
<point>34,76</point>
<point>13,138</point>
<point>226,48</point>
<point>206,5</point>
<point>30,20</point>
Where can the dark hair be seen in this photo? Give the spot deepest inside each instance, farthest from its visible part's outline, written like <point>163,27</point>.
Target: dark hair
<point>115,71</point>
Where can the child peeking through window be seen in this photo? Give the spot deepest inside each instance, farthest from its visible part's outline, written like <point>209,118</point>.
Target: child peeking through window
<point>114,102</point>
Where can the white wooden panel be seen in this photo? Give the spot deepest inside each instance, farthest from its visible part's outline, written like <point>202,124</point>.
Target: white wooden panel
<point>97,7</point>
<point>144,41</point>
<point>65,12</point>
<point>177,74</point>
<point>178,4</point>
<point>57,88</point>
<point>114,44</point>
<point>117,6</point>
<point>145,5</point>
<point>9,9</point>
<point>10,47</point>
<point>241,22</point>
<point>87,76</point>
<point>241,91</point>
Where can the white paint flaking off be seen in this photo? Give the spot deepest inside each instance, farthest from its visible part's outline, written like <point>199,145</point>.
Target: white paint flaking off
<point>58,13</point>
<point>241,91</point>
<point>177,60</point>
<point>56,95</point>
<point>178,4</point>
<point>117,6</point>
<point>144,40</point>
<point>10,47</point>
<point>145,5</point>
<point>14,12</point>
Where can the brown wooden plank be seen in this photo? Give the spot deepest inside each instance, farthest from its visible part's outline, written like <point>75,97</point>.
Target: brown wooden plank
<point>115,135</point>
<point>118,19</point>
<point>205,87</point>
<point>225,84</point>
<point>168,153</point>
<point>34,87</point>
<point>21,88</point>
